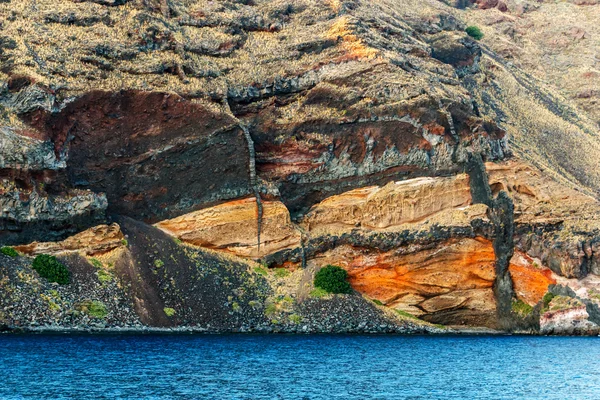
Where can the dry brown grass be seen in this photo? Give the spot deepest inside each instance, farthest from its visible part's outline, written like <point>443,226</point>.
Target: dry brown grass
<point>203,49</point>
<point>557,43</point>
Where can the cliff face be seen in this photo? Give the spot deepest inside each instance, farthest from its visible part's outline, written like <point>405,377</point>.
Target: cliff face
<point>297,134</point>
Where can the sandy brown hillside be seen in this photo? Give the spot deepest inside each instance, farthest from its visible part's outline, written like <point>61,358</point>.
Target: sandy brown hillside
<point>558,43</point>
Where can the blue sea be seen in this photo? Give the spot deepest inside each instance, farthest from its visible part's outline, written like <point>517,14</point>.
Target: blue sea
<point>298,367</point>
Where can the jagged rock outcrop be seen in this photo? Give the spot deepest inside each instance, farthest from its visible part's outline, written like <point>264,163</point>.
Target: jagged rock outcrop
<point>325,123</point>
<point>22,152</point>
<point>395,204</point>
<point>448,283</point>
<point>501,215</point>
<point>28,215</point>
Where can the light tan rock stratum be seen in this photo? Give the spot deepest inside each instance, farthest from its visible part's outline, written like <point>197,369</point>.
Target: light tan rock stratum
<point>233,227</point>
<point>394,204</point>
<point>97,240</point>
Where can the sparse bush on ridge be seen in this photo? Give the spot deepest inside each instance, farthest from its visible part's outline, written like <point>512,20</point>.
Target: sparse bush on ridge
<point>521,308</point>
<point>474,32</point>
<point>281,273</point>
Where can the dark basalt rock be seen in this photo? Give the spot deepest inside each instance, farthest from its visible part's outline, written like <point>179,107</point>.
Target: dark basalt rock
<point>458,50</point>
<point>501,215</point>
<point>155,155</point>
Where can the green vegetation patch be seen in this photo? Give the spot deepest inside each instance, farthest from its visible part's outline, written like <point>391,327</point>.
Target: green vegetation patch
<point>9,251</point>
<point>104,276</point>
<point>406,315</point>
<point>94,308</point>
<point>546,301</point>
<point>50,268</point>
<point>295,318</point>
<point>521,308</point>
<point>169,312</point>
<point>96,263</point>
<point>474,32</point>
<point>333,279</point>
<point>379,303</point>
<point>564,303</point>
<point>261,271</point>
<point>317,293</point>
<point>594,294</point>
<point>270,309</point>
<point>281,273</point>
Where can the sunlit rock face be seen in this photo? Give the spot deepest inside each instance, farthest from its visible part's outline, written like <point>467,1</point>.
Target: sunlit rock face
<point>233,227</point>
<point>96,240</point>
<point>417,245</point>
<point>394,204</point>
<point>448,283</point>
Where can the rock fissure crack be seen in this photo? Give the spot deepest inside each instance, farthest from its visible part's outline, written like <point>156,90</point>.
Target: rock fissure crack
<point>253,183</point>
<point>501,215</point>
<point>251,173</point>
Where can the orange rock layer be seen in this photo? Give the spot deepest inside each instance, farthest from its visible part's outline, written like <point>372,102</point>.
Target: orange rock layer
<point>449,283</point>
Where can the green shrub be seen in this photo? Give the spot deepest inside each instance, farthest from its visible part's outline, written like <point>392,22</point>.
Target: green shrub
<point>317,293</point>
<point>169,312</point>
<point>124,242</point>
<point>295,318</point>
<point>50,268</point>
<point>379,303</point>
<point>270,309</point>
<point>333,279</point>
<point>9,251</point>
<point>159,263</point>
<point>96,263</point>
<point>93,308</point>
<point>474,32</point>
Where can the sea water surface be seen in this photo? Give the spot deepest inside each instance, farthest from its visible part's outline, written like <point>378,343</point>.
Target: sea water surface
<point>298,367</point>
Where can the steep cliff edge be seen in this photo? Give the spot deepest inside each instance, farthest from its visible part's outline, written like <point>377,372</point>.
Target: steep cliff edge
<point>370,135</point>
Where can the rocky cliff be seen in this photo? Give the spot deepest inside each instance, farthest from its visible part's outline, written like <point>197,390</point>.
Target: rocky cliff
<point>162,148</point>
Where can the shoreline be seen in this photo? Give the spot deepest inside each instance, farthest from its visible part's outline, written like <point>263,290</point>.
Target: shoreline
<point>45,330</point>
